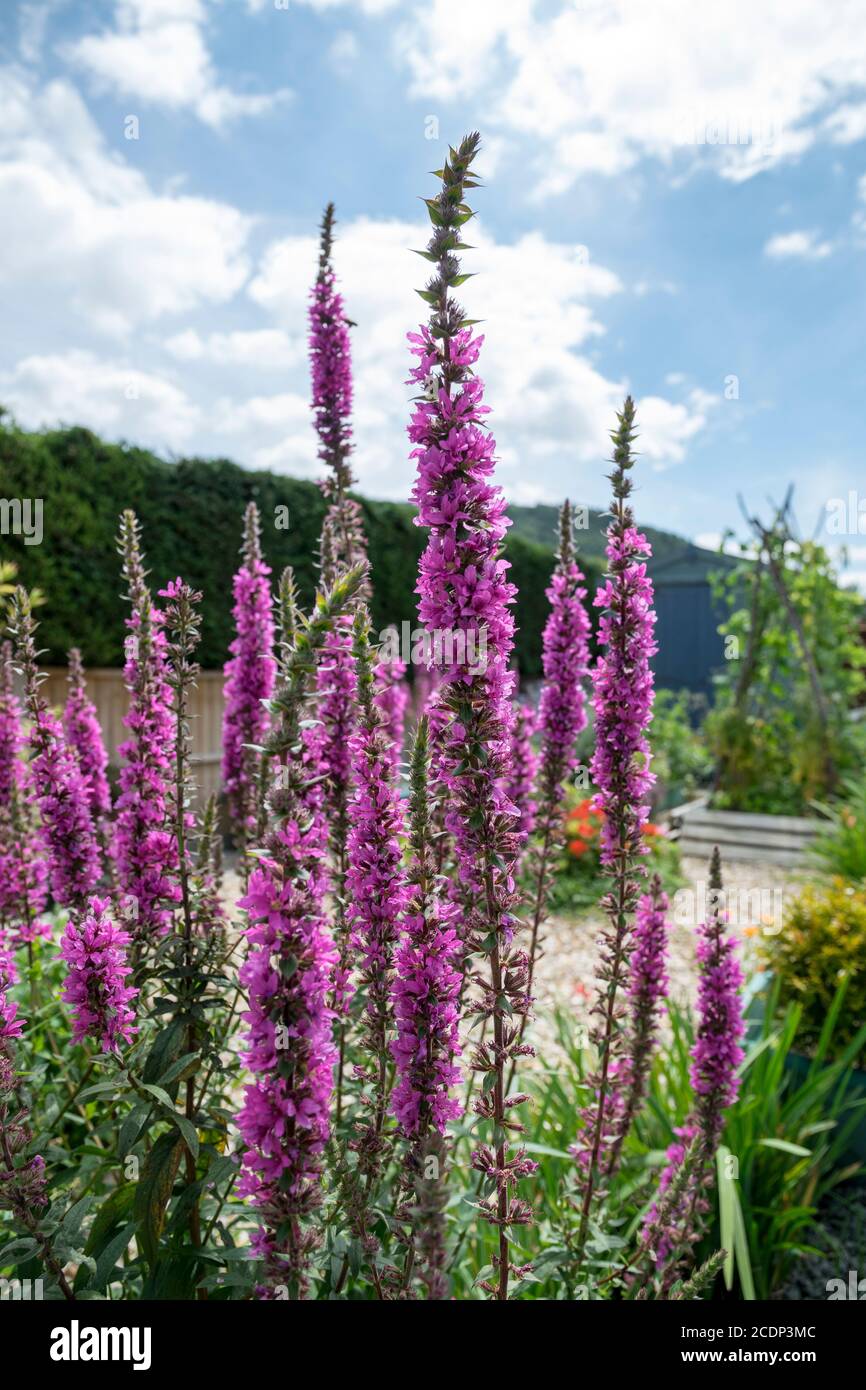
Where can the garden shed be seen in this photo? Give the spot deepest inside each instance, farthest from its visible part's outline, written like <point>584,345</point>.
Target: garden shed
<point>688,617</point>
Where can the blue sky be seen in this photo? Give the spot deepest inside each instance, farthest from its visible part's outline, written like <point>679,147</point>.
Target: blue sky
<point>675,205</point>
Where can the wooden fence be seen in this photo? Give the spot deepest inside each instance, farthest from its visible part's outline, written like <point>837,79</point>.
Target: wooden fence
<point>108,693</point>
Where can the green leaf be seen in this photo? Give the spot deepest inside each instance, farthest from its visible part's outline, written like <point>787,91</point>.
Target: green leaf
<point>188,1130</point>
<point>154,1189</point>
<point>109,1256</point>
<point>71,1223</point>
<point>785,1146</point>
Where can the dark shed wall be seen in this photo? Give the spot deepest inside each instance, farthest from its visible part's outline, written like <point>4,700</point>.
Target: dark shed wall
<point>690,647</point>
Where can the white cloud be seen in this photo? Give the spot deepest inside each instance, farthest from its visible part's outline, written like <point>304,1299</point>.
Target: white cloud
<point>343,52</point>
<point>265,349</point>
<point>552,408</point>
<point>804,246</point>
<point>599,85</point>
<point>665,428</point>
<point>80,221</point>
<point>112,398</point>
<point>157,53</point>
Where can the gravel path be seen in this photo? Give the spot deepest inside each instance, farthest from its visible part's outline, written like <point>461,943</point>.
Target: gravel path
<point>565,975</point>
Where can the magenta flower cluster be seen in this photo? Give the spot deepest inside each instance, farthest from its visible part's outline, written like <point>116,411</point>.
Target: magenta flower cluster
<point>84,736</point>
<point>375,882</point>
<point>249,680</point>
<point>522,769</point>
<point>426,996</point>
<point>565,662</point>
<point>94,950</point>
<point>23,868</point>
<point>145,850</point>
<point>623,694</point>
<point>74,863</point>
<point>285,1116</point>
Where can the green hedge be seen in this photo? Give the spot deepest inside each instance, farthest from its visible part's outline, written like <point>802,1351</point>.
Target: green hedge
<point>191,513</point>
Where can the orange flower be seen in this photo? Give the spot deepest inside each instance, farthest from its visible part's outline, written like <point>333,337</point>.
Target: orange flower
<point>578,847</point>
<point>651,829</point>
<point>587,830</point>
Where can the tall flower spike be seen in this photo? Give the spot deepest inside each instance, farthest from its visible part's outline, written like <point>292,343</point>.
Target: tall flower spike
<point>623,695</point>
<point>84,736</point>
<point>464,591</point>
<point>427,983</point>
<point>69,834</point>
<point>343,541</point>
<point>285,1119</point>
<point>716,1055</point>
<point>647,990</point>
<point>376,882</point>
<point>342,545</point>
<point>376,893</point>
<point>523,767</point>
<point>94,950</point>
<point>249,682</point>
<point>23,871</point>
<point>561,717</point>
<point>392,697</point>
<point>144,847</point>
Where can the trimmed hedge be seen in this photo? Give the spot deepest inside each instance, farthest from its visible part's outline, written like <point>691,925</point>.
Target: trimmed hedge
<point>191,513</point>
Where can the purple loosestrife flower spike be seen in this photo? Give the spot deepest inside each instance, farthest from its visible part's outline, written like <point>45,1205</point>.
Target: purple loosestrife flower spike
<point>343,545</point>
<point>392,698</point>
<point>426,994</point>
<point>249,681</point>
<point>145,850</point>
<point>464,591</point>
<point>623,694</point>
<point>523,768</point>
<point>647,991</point>
<point>376,882</point>
<point>561,717</point>
<point>22,1181</point>
<point>23,871</point>
<point>94,950</point>
<point>716,1055</point>
<point>285,1118</point>
<point>427,984</point>
<point>84,736</point>
<point>343,541</point>
<point>68,829</point>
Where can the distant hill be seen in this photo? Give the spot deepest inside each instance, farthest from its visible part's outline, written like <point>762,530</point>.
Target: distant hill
<point>541,523</point>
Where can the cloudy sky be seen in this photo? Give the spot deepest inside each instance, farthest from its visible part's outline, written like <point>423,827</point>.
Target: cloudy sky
<point>675,205</point>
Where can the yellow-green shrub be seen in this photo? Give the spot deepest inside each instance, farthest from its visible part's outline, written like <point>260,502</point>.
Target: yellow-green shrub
<point>823,939</point>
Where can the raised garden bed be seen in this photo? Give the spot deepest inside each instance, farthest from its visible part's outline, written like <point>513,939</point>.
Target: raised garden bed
<point>782,840</point>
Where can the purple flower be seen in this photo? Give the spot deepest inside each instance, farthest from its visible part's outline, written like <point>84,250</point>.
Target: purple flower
<point>464,592</point>
<point>249,681</point>
<point>426,989</point>
<point>647,990</point>
<point>285,1116</point>
<point>68,831</point>
<point>145,849</point>
<point>523,767</point>
<point>84,736</point>
<point>392,697</point>
<point>565,661</point>
<point>623,685</point>
<point>23,868</point>
<point>375,882</point>
<point>716,1055</point>
<point>95,953</point>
